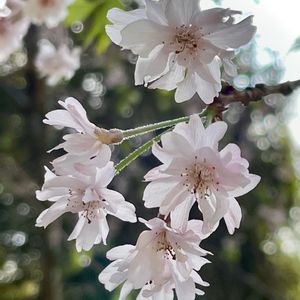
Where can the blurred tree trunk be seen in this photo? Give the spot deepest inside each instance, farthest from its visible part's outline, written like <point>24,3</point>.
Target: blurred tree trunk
<point>51,285</point>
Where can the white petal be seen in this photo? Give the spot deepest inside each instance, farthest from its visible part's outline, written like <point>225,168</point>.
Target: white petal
<point>156,191</point>
<point>119,252</point>
<point>254,181</point>
<point>121,19</point>
<point>180,215</point>
<point>185,89</point>
<point>213,134</point>
<point>233,217</point>
<point>152,67</point>
<point>105,175</point>
<point>234,36</point>
<point>142,36</point>
<point>117,206</point>
<point>62,118</point>
<point>126,289</point>
<point>170,80</point>
<point>51,214</point>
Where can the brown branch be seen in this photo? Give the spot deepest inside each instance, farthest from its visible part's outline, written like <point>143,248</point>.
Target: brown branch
<point>230,95</point>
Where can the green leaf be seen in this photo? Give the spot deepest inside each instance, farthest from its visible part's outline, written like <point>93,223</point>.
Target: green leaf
<point>80,10</point>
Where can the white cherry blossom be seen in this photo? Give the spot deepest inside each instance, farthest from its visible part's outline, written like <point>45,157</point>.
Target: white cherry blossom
<point>84,147</point>
<point>179,46</point>
<point>4,10</point>
<point>162,260</point>
<point>87,196</point>
<point>193,169</point>
<point>13,27</point>
<point>57,64</point>
<point>48,12</point>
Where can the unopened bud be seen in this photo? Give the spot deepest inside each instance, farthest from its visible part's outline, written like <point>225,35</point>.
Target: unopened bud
<point>108,137</point>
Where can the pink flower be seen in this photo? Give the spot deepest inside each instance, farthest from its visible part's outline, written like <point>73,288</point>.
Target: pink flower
<point>179,46</point>
<point>162,260</point>
<point>194,170</point>
<point>57,64</point>
<point>48,12</point>
<point>84,147</point>
<point>87,196</point>
<point>13,28</point>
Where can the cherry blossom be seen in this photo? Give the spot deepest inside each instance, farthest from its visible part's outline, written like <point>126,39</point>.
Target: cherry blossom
<point>57,64</point>
<point>85,147</point>
<point>87,196</point>
<point>13,27</point>
<point>193,169</point>
<point>4,10</point>
<point>162,260</point>
<point>179,46</point>
<point>48,12</point>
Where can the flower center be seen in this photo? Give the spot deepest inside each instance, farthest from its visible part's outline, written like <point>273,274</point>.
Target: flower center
<point>199,179</point>
<point>164,246</point>
<point>88,210</point>
<point>48,3</point>
<point>186,39</point>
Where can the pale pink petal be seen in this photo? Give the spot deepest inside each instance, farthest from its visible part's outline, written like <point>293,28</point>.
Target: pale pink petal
<point>51,214</point>
<point>233,216</point>
<point>142,36</point>
<point>152,67</point>
<point>234,36</point>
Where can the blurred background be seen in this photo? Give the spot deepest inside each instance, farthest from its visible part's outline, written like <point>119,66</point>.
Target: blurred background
<point>261,261</point>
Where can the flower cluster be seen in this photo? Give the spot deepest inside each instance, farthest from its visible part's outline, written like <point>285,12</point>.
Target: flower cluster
<point>78,183</point>
<point>15,18</point>
<point>13,27</point>
<point>179,47</point>
<point>57,64</point>
<point>48,12</point>
<point>162,260</point>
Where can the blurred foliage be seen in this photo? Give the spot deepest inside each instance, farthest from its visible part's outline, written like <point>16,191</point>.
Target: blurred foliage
<point>296,45</point>
<point>260,262</point>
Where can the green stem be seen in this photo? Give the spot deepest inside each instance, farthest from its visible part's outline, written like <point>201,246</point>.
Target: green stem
<point>131,133</point>
<point>136,153</point>
<point>148,128</point>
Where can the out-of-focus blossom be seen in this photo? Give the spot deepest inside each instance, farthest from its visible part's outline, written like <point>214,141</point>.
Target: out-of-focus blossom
<point>13,27</point>
<point>48,12</point>
<point>4,10</point>
<point>162,260</point>
<point>87,196</point>
<point>194,169</point>
<point>86,147</point>
<point>57,64</point>
<point>179,46</point>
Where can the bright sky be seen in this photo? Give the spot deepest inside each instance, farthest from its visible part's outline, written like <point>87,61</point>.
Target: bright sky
<point>278,25</point>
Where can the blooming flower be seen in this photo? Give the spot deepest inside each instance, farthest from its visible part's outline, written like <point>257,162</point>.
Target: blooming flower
<point>85,147</point>
<point>4,10</point>
<point>193,169</point>
<point>179,46</point>
<point>48,12</point>
<point>90,198</point>
<point>163,259</point>
<point>13,27</point>
<point>57,64</point>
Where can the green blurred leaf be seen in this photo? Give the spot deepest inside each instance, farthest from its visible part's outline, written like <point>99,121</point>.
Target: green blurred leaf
<point>80,10</point>
<point>93,13</point>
